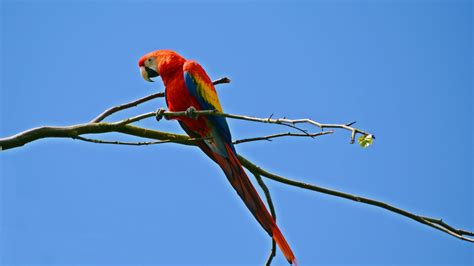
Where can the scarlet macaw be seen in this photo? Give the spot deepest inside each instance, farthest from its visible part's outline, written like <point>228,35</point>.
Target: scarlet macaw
<point>188,86</point>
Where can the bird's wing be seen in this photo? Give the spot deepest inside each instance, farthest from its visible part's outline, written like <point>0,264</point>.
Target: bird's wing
<point>201,88</point>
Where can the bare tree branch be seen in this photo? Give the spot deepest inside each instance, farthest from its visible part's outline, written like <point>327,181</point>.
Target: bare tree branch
<point>432,222</point>
<point>279,121</point>
<point>117,108</point>
<point>31,135</point>
<point>270,120</point>
<point>122,126</point>
<point>103,127</point>
<point>146,143</point>
<point>115,142</point>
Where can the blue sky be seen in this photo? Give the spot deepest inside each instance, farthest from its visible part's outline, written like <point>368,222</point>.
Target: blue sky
<point>402,70</point>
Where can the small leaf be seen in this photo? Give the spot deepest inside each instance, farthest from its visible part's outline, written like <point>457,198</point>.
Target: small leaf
<point>365,141</point>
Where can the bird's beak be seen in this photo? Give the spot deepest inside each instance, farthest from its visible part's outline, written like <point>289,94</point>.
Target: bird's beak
<point>148,73</point>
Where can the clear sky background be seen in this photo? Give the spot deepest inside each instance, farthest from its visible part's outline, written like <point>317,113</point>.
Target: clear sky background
<point>402,70</point>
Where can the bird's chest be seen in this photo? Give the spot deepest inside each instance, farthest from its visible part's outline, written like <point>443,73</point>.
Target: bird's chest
<point>179,99</point>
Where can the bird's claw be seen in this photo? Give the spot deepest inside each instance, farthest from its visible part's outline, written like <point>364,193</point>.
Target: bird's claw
<point>160,114</point>
<point>191,113</point>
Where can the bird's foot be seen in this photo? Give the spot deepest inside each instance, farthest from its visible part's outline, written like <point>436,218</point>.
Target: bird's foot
<point>160,113</point>
<point>191,113</point>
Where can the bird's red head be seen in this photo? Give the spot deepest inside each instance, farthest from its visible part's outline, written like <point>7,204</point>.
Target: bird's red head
<point>160,62</point>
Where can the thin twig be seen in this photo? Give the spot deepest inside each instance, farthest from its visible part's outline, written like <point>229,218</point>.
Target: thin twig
<point>272,253</point>
<point>285,121</point>
<point>142,143</point>
<point>124,106</point>
<point>266,191</point>
<point>435,223</point>
<point>135,118</point>
<point>289,134</point>
<point>146,143</point>
<point>117,108</point>
<point>223,80</point>
<point>447,226</point>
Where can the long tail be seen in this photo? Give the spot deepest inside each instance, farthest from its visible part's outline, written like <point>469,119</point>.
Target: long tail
<point>241,183</point>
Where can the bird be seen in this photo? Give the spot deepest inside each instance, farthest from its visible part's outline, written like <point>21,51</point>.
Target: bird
<point>189,88</point>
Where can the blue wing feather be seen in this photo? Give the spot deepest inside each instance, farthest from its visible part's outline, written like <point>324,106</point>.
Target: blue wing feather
<point>218,123</point>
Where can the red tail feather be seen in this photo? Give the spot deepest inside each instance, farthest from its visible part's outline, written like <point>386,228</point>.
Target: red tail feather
<point>285,248</point>
<point>241,183</point>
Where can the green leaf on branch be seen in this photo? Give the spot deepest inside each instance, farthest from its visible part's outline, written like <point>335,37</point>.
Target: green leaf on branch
<point>365,140</point>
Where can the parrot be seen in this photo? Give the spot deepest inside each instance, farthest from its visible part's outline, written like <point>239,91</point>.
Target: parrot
<point>189,88</point>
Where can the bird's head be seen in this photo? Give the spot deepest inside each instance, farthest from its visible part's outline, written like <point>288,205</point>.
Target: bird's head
<point>160,62</point>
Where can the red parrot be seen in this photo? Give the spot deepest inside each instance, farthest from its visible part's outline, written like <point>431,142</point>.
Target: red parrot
<point>188,87</point>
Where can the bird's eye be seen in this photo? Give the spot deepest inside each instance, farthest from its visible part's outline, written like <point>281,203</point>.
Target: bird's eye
<point>149,59</point>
